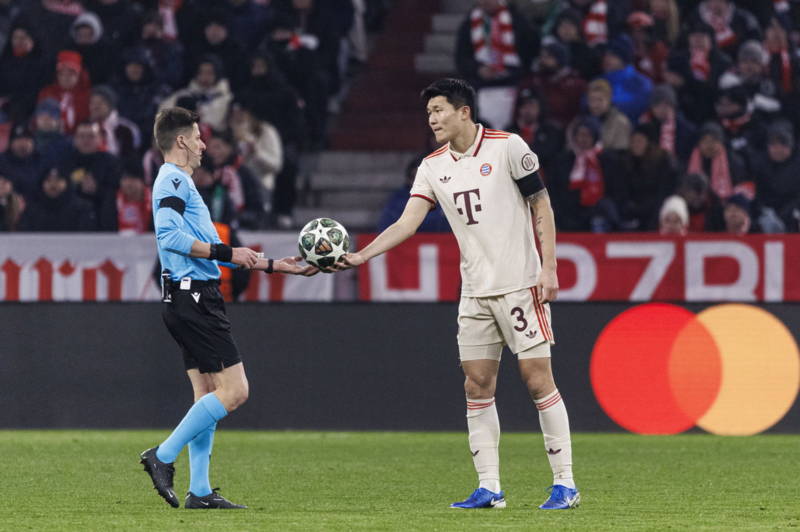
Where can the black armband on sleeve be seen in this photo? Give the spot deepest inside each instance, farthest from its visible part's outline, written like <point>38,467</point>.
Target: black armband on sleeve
<point>221,252</point>
<point>530,184</point>
<point>270,266</point>
<point>174,203</point>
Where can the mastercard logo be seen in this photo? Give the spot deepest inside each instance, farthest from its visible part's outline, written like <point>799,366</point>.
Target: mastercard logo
<point>731,369</point>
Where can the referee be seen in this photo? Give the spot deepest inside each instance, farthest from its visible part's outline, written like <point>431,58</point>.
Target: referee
<point>190,250</point>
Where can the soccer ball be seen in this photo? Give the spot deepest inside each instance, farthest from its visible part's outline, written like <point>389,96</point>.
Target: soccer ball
<point>322,242</point>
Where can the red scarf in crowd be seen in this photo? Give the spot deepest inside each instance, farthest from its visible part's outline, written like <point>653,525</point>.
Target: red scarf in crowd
<point>701,67</point>
<point>721,182</point>
<point>587,176</point>
<point>595,25</point>
<point>721,24</point>
<point>493,38</point>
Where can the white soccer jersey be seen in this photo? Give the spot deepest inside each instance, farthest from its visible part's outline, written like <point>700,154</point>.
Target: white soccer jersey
<point>486,210</point>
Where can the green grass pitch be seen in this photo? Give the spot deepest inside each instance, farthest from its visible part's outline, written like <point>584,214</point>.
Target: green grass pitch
<point>91,480</point>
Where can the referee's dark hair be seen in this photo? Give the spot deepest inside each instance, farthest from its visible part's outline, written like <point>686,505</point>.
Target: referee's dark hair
<point>457,92</point>
<point>170,123</point>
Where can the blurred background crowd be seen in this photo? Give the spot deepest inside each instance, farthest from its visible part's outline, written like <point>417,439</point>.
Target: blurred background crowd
<point>646,115</point>
<point>81,82</point>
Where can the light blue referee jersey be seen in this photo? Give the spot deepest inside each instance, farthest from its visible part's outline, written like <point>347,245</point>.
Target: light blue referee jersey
<point>181,217</point>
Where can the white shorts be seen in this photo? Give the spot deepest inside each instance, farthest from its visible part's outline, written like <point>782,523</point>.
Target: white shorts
<point>516,319</point>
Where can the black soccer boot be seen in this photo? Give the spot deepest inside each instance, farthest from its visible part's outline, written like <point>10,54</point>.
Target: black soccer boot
<point>212,500</point>
<point>161,474</point>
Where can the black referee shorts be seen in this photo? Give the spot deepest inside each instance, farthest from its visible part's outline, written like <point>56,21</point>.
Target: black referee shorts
<point>196,320</point>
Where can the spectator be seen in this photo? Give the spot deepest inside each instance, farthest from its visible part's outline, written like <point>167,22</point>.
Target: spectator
<point>568,32</point>
<point>646,175</point>
<point>750,73</point>
<point>9,11</point>
<point>731,24</point>
<point>673,217</point>
<point>71,90</point>
<point>777,175</point>
<point>134,201</point>
<point>11,205</point>
<point>164,56</point>
<point>54,18</point>
<point>121,20</point>
<point>249,21</point>
<point>217,41</point>
<point>545,139</point>
<point>580,179</point>
<point>705,208</point>
<point>649,53</point>
<point>557,83</point>
<point>434,222</point>
<point>666,21</point>
<point>22,162</point>
<point>57,208</point>
<point>745,129</point>
<point>94,174</point>
<point>118,135</point>
<point>630,89</point>
<point>258,143</point>
<point>676,134</point>
<point>782,60</point>
<point>616,128</point>
<point>694,69</point>
<point>493,46</point>
<point>244,188</point>
<point>23,70</point>
<point>274,100</point>
<point>47,134</point>
<point>304,41</point>
<point>711,158</point>
<point>138,91</point>
<point>210,90</point>
<point>738,216</point>
<point>98,54</point>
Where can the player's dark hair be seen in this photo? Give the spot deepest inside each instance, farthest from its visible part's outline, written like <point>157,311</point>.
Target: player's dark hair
<point>170,123</point>
<point>457,92</point>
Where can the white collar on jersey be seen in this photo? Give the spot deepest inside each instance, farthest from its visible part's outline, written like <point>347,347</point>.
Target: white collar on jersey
<point>472,150</point>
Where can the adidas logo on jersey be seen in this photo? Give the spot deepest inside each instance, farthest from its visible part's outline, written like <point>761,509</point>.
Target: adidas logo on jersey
<point>531,334</point>
<point>445,179</point>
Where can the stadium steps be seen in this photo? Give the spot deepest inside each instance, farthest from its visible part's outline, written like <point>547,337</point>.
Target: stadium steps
<point>382,110</point>
<point>438,56</point>
<point>352,186</point>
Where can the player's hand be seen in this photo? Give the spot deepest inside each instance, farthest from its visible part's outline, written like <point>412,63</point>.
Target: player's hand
<point>347,261</point>
<point>291,265</point>
<point>548,285</point>
<point>245,257</point>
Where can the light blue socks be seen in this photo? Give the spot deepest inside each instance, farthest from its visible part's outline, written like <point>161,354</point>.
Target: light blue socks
<point>199,458</point>
<point>203,415</point>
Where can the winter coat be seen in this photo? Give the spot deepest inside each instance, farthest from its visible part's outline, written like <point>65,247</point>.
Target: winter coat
<point>212,103</point>
<point>630,91</point>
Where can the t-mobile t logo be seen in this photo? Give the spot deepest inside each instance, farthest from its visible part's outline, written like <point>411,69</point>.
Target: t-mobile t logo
<point>468,205</point>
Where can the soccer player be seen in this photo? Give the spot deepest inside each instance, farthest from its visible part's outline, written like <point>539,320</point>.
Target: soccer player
<point>190,251</point>
<point>488,185</point>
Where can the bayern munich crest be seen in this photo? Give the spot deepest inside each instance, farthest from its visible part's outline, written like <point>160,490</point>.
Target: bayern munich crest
<point>486,169</point>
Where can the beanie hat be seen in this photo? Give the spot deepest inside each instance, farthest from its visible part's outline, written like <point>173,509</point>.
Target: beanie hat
<point>69,59</point>
<point>677,205</point>
<point>49,106</point>
<point>559,52</point>
<point>622,47</point>
<point>752,51</point>
<point>713,130</point>
<point>780,133</point>
<point>663,94</point>
<point>107,93</point>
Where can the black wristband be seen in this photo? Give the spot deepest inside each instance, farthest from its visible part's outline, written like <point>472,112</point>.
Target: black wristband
<point>269,268</point>
<point>221,252</point>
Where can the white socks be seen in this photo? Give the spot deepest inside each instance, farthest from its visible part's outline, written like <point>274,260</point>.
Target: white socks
<point>484,439</point>
<point>557,443</point>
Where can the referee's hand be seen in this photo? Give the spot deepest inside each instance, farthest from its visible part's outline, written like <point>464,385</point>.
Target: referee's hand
<point>244,257</point>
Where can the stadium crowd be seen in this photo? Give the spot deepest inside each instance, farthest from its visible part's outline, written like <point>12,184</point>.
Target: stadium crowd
<point>648,114</point>
<point>82,80</point>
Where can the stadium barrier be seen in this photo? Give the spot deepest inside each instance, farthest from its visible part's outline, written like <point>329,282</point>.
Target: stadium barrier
<point>612,267</point>
<point>653,368</point>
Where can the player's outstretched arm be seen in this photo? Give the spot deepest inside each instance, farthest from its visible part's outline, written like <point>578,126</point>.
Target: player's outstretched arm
<point>405,226</point>
<point>290,265</point>
<point>545,227</point>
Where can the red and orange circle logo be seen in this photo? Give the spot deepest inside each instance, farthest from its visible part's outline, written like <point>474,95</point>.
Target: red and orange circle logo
<point>732,369</point>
